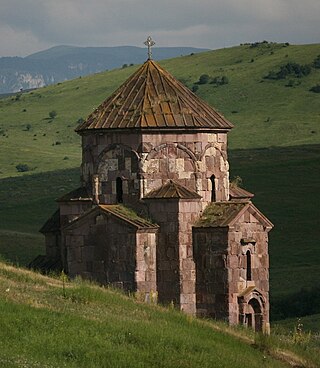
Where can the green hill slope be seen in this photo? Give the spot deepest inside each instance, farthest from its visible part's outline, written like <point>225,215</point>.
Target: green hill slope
<point>265,112</point>
<point>49,323</point>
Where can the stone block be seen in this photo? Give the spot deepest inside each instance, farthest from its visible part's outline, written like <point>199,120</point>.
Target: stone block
<point>188,299</point>
<point>187,287</point>
<point>188,309</point>
<point>233,261</point>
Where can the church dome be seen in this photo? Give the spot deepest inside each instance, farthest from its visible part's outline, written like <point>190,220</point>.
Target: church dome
<point>152,99</point>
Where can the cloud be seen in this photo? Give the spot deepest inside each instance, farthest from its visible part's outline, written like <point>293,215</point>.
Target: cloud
<point>205,23</point>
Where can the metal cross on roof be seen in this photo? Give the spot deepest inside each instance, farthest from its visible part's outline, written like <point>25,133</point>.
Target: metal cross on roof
<point>149,43</point>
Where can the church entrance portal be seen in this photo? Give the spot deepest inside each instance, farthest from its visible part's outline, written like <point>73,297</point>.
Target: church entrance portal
<point>254,316</point>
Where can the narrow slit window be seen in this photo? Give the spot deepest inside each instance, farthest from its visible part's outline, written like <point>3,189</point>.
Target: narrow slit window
<point>213,188</point>
<point>119,190</point>
<point>248,254</point>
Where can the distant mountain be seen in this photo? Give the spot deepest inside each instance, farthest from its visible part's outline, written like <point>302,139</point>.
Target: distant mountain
<point>62,63</point>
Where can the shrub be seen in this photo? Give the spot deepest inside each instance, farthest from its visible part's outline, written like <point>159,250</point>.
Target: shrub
<point>315,89</point>
<point>204,79</point>
<point>52,114</point>
<point>220,80</point>
<point>22,167</point>
<point>124,66</point>
<point>292,69</point>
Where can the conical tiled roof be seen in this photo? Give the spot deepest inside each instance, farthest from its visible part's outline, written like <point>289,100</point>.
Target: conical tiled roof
<point>153,99</point>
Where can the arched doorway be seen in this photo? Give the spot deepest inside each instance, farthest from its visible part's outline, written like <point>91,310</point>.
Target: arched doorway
<point>254,318</point>
<point>252,310</point>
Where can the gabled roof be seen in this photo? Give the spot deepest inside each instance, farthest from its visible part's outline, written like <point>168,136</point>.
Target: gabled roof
<point>79,194</point>
<point>120,212</point>
<point>52,225</point>
<point>128,215</point>
<point>236,192</point>
<point>223,214</point>
<point>172,189</point>
<point>153,99</point>
<point>220,214</point>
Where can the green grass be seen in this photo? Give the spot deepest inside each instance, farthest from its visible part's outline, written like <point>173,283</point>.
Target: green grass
<point>309,324</point>
<point>20,248</point>
<point>265,113</point>
<point>87,326</point>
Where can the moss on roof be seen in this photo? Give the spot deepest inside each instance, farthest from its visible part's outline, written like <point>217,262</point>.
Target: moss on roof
<point>219,214</point>
<point>129,215</point>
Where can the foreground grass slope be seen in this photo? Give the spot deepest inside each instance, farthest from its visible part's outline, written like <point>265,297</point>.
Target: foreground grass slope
<point>48,323</point>
<point>265,112</point>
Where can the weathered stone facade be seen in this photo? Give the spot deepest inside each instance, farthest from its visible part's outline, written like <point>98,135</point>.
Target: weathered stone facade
<point>146,161</point>
<point>156,213</point>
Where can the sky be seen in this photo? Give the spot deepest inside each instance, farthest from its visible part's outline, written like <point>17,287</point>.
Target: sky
<point>28,26</point>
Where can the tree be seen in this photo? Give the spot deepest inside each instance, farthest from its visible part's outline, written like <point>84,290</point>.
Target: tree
<point>52,114</point>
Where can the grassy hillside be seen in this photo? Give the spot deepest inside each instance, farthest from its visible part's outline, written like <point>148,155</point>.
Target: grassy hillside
<point>265,112</point>
<point>87,326</point>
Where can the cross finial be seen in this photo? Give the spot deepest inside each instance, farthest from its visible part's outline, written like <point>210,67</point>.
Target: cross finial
<point>149,43</point>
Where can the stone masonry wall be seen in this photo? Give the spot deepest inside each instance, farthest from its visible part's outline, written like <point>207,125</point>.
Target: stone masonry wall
<point>146,161</point>
<point>145,275</point>
<point>165,214</point>
<point>71,210</point>
<point>111,252</point>
<point>188,214</point>
<point>248,235</point>
<point>212,289</point>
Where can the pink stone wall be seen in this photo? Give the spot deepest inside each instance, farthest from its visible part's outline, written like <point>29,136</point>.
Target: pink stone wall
<point>248,235</point>
<point>165,214</point>
<point>221,269</point>
<point>175,264</point>
<point>187,216</point>
<point>111,252</point>
<point>212,289</point>
<point>146,161</point>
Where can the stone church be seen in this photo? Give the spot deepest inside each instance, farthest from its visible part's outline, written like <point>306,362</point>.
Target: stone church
<point>156,213</point>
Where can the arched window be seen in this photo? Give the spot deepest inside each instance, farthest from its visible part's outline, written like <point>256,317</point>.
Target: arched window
<point>213,188</point>
<point>248,254</point>
<point>119,190</point>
